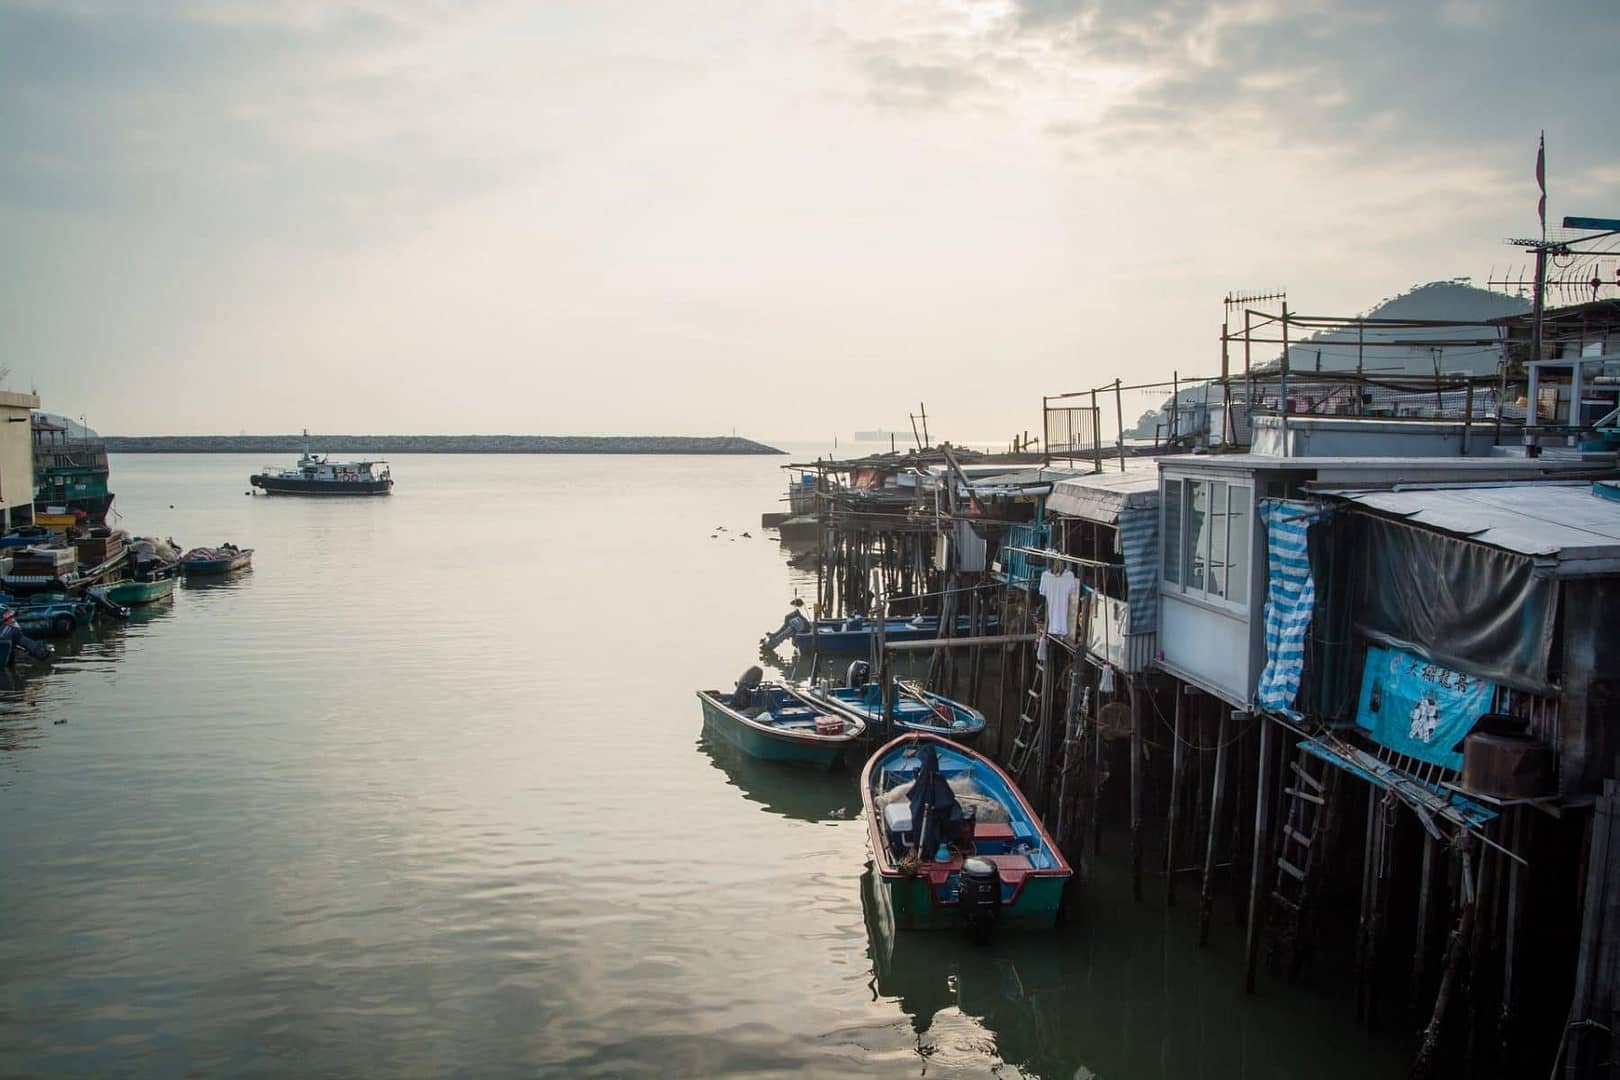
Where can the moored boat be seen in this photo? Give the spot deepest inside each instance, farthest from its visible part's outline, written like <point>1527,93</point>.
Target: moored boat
<point>854,634</point>
<point>765,721</point>
<point>212,562</point>
<point>914,709</point>
<point>50,614</point>
<point>318,474</point>
<point>954,842</point>
<point>140,592</point>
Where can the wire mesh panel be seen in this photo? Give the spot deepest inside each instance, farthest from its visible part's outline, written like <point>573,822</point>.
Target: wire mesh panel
<point>1071,429</point>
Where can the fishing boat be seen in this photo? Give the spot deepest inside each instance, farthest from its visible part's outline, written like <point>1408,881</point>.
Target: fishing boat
<point>954,842</point>
<point>136,591</point>
<point>318,474</point>
<point>50,614</point>
<point>212,562</point>
<point>766,721</point>
<point>915,709</point>
<point>854,634</point>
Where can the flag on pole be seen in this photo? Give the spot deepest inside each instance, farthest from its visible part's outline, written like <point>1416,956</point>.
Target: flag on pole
<point>1541,180</point>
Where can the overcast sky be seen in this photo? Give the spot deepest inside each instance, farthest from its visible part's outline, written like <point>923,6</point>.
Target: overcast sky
<point>786,218</point>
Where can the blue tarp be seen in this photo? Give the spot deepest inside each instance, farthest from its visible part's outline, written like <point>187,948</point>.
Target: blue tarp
<point>1139,544</point>
<point>1419,708</point>
<point>1290,599</point>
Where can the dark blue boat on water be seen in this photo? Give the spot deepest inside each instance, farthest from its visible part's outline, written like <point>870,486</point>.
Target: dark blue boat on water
<point>766,721</point>
<point>854,635</point>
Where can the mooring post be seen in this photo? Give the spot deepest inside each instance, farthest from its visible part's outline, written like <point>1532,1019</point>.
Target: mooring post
<point>1217,798</point>
<point>1137,691</point>
<point>1178,765</point>
<point>1420,956</point>
<point>1262,807</point>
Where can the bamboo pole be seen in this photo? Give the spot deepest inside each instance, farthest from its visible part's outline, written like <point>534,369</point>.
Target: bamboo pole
<point>1137,691</point>
<point>1178,766</point>
<point>1217,797</point>
<point>1262,805</point>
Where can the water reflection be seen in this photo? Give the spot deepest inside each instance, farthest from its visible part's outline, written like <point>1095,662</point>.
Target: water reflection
<point>801,794</point>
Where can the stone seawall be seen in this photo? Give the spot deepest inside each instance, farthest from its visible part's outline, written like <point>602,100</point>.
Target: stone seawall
<point>382,445</point>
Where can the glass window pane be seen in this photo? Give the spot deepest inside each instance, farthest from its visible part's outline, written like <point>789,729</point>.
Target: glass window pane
<point>1197,532</point>
<point>1217,538</point>
<point>1238,545</point>
<point>1172,531</point>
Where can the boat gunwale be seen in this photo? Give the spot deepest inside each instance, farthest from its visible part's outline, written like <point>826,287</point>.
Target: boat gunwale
<point>882,859</point>
<point>974,730</point>
<point>807,738</point>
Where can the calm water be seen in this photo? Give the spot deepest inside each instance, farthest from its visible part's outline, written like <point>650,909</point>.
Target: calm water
<point>425,793</point>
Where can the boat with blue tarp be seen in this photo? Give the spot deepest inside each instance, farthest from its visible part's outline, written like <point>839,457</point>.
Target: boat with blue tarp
<point>914,709</point>
<point>854,634</point>
<point>50,614</point>
<point>954,842</point>
<point>767,721</point>
<point>212,562</point>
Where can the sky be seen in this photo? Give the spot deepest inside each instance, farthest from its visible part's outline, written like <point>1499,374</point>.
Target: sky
<point>783,219</point>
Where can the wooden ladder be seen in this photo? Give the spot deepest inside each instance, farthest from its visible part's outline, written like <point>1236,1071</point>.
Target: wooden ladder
<point>1302,850</point>
<point>1031,719</point>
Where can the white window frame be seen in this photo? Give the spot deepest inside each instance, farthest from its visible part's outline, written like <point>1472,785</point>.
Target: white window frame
<point>1183,565</point>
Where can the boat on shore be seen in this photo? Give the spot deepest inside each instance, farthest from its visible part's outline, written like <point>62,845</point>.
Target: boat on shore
<point>854,634</point>
<point>955,845</point>
<point>214,562</point>
<point>318,474</point>
<point>766,721</point>
<point>915,709</point>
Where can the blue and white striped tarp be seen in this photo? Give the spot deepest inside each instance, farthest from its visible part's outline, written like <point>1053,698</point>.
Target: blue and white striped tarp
<point>1139,543</point>
<point>1290,599</point>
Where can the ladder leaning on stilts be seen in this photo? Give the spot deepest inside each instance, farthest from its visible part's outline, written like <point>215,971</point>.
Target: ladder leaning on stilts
<point>1302,852</point>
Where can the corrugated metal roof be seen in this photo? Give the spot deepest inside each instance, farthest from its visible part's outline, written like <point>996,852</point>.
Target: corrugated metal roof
<point>1566,523</point>
<point>1101,496</point>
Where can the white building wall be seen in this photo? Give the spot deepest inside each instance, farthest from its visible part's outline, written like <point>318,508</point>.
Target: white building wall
<point>16,452</point>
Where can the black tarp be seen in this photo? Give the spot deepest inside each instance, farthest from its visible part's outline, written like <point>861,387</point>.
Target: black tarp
<point>1464,605</point>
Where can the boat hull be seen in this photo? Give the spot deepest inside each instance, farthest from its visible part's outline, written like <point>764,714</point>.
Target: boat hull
<point>759,742</point>
<point>828,638</point>
<point>216,567</point>
<point>1033,873</point>
<point>140,592</point>
<point>279,485</point>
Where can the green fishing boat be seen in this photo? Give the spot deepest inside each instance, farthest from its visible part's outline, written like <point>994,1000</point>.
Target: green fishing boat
<point>127,593</point>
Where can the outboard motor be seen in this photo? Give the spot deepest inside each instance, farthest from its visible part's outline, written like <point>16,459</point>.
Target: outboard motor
<point>793,623</point>
<point>978,895</point>
<point>746,686</point>
<point>859,674</point>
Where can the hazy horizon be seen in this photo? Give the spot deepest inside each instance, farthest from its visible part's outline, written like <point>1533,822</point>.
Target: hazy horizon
<point>436,218</point>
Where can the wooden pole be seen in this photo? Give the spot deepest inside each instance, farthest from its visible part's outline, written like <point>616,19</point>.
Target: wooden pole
<point>1510,947</point>
<point>1262,806</point>
<point>1137,692</point>
<point>1456,946</point>
<point>1119,416</point>
<point>1178,766</point>
<point>1420,953</point>
<point>1217,797</point>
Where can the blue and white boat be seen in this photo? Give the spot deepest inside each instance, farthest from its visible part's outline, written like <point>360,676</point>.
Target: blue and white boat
<point>854,634</point>
<point>954,842</point>
<point>766,721</point>
<point>915,709</point>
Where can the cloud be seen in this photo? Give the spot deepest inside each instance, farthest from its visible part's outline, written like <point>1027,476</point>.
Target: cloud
<point>311,123</point>
<point>1383,76</point>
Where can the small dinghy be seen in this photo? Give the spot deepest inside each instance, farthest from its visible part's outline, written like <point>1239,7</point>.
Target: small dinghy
<point>212,562</point>
<point>854,634</point>
<point>766,721</point>
<point>955,844</point>
<point>915,709</point>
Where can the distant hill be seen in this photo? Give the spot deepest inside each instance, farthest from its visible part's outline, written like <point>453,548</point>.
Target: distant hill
<point>1407,350</point>
<point>382,445</point>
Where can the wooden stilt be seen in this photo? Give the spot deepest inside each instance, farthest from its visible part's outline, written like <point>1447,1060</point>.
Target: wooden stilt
<point>1137,692</point>
<point>1262,806</point>
<point>1379,901</point>
<point>1178,764</point>
<point>1420,952</point>
<point>1212,846</point>
<point>1456,947</point>
<point>1510,946</point>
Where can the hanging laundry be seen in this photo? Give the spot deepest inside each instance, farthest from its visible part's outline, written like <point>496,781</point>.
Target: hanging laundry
<point>1058,591</point>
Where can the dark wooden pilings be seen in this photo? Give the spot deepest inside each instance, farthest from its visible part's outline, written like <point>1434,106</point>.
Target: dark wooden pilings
<point>1138,694</point>
<point>1217,799</point>
<point>1178,768</point>
<point>1456,948</point>
<point>1257,862</point>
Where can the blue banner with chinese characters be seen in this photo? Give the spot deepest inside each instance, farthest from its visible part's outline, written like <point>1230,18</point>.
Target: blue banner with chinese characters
<point>1418,708</point>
